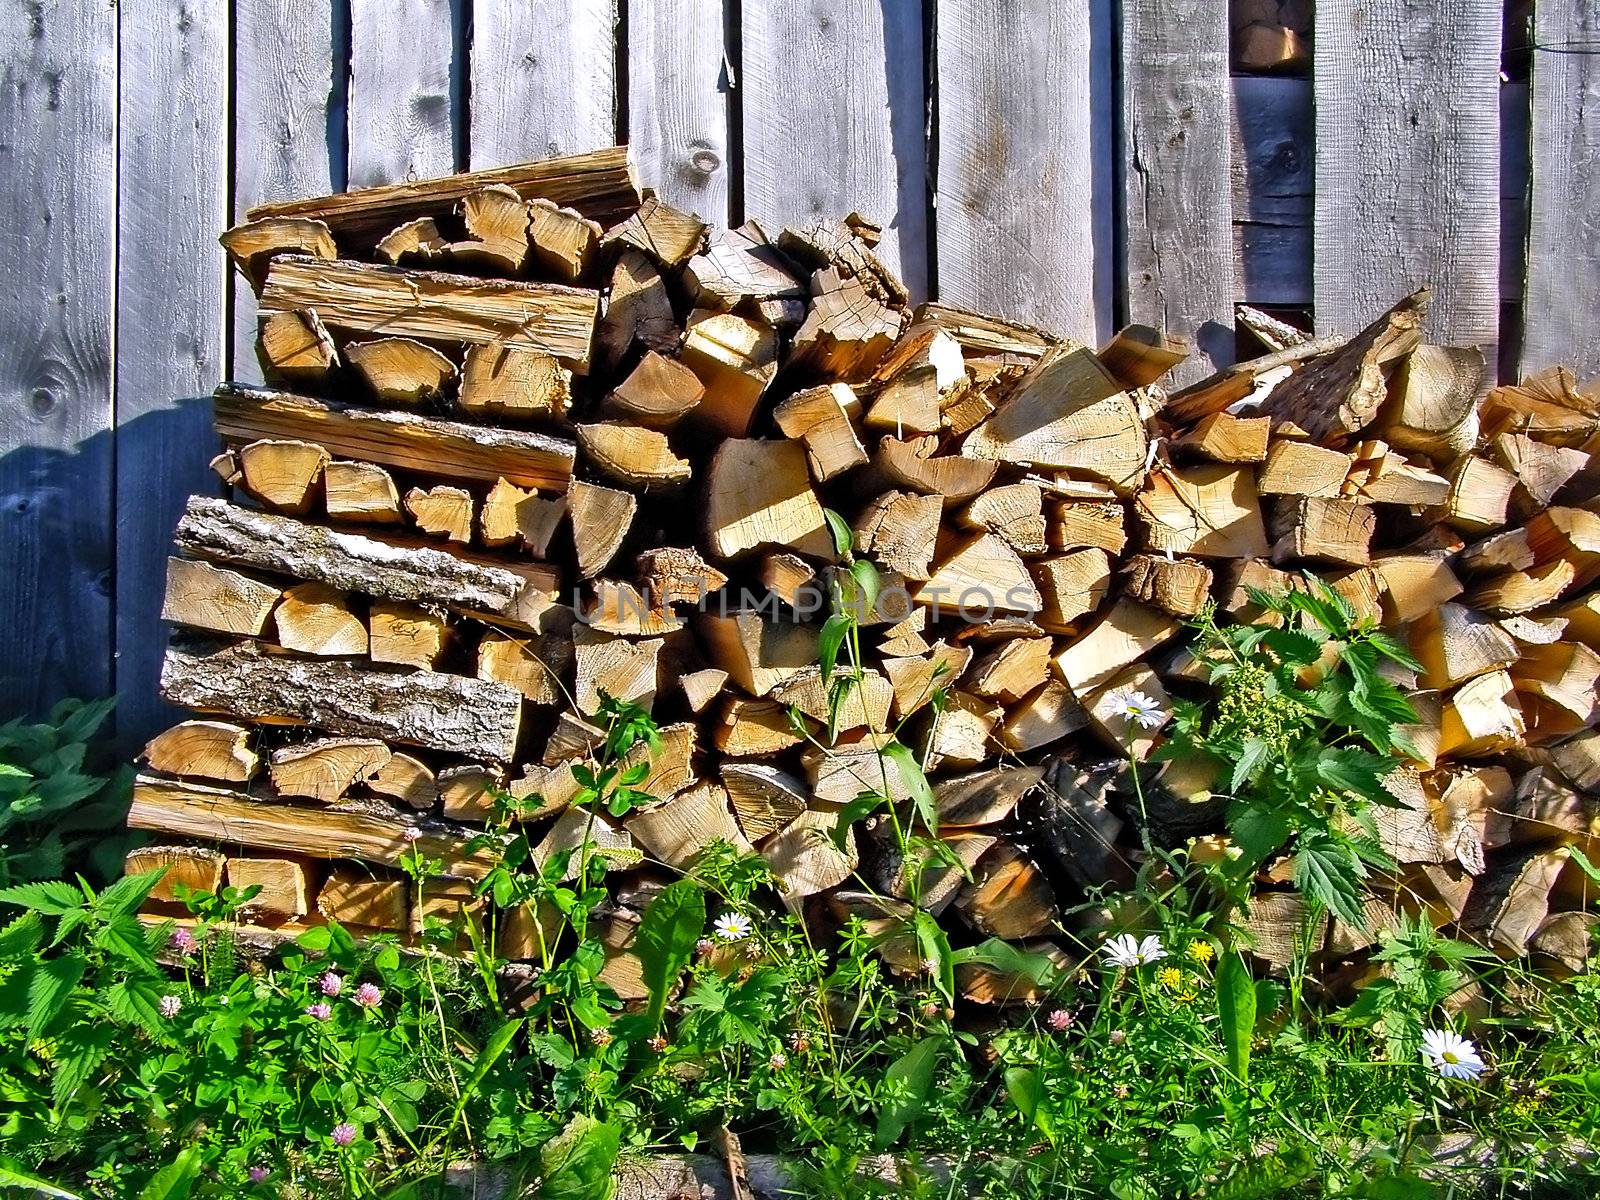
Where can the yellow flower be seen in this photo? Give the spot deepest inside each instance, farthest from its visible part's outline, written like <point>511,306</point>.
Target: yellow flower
<point>1186,997</point>
<point>1200,950</point>
<point>1169,977</point>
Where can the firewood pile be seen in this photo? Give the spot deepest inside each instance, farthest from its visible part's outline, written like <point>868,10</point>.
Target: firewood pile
<point>532,439</point>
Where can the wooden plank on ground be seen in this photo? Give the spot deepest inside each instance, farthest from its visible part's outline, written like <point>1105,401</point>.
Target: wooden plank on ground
<point>543,78</point>
<point>289,67</point>
<point>1176,205</point>
<point>677,103</point>
<point>1024,219</point>
<point>171,337</point>
<point>58,171</point>
<point>1563,270</point>
<point>1408,169</point>
<point>834,120</point>
<point>403,107</point>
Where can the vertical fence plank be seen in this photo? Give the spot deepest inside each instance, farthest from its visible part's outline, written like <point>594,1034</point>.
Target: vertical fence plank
<point>1408,143</point>
<point>834,112</point>
<point>402,117</point>
<point>289,75</point>
<point>1563,293</point>
<point>170,316</point>
<point>1178,210</point>
<point>543,78</point>
<point>677,106</point>
<point>1017,146</point>
<point>58,129</point>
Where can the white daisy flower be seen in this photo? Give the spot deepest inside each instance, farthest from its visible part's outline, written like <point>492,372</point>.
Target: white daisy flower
<point>733,927</point>
<point>1124,951</point>
<point>1136,706</point>
<point>1454,1056</point>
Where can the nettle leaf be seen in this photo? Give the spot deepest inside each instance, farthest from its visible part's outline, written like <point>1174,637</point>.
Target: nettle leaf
<point>1248,767</point>
<point>576,1163</point>
<point>22,936</point>
<point>83,1047</point>
<point>907,1083</point>
<point>50,988</point>
<point>1349,769</point>
<point>666,939</point>
<point>1330,873</point>
<point>915,782</point>
<point>1258,831</point>
<point>52,897</point>
<point>935,947</point>
<point>175,1179</point>
<point>1294,646</point>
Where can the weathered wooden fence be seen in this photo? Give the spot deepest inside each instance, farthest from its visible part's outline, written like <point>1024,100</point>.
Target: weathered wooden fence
<point>1077,163</point>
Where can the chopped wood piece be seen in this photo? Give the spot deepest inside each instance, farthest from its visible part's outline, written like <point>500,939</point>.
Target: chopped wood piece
<point>791,579</point>
<point>534,666</point>
<point>1567,939</point>
<point>443,511</point>
<point>443,712</point>
<point>1045,716</point>
<point>959,735</point>
<point>577,826</point>
<point>1011,670</point>
<point>1138,355</point>
<point>401,371</point>
<point>1108,715</point>
<point>754,729</point>
<point>511,593</point>
<point>352,896</point>
<point>983,797</point>
<point>563,239</point>
<point>979,333</point>
<point>513,383</point>
<point>1546,406</point>
<point>466,792</point>
<point>573,737</point>
<point>1541,470</point>
<point>805,860</point>
<point>735,358</point>
<point>1557,684</point>
<point>633,455</point>
<point>671,763</point>
<point>314,618</point>
<point>918,380</point>
<point>757,654</point>
<point>1583,620</point>
<point>1070,585</point>
<point>515,516</point>
<point>758,493</point>
<point>983,575</point>
<point>1225,438</point>
<point>283,475</point>
<point>444,907</point>
<point>623,669</point>
<point>1509,904</point>
<point>741,264</point>
<point>192,867</point>
<point>220,815</point>
<point>1569,533</point>
<point>1013,512</point>
<point>1482,716</point>
<point>325,769</point>
<point>905,638</point>
<point>1454,644</point>
<point>677,575</point>
<point>845,245</point>
<point>823,417</point>
<point>1008,897</point>
<point>1067,412</point>
<point>1509,549</point>
<point>1304,469</point>
<point>658,393</point>
<point>496,221</point>
<point>251,244</point>
<point>295,347</point>
<point>1263,49</point>
<point>1125,634</point>
<point>912,464</point>
<point>678,831</point>
<point>1325,530</point>
<point>862,703</point>
<point>669,235</point>
<point>1269,331</point>
<point>764,798</point>
<point>1516,592</point>
<point>407,779</point>
<point>638,311</point>
<point>1394,481</point>
<point>451,449</point>
<point>215,598</point>
<point>1212,512</point>
<point>916,679</point>
<point>226,467</point>
<point>1480,495</point>
<point>1433,408</point>
<point>1094,524</point>
<point>847,330</point>
<point>1278,924</point>
<point>900,530</point>
<point>416,240</point>
<point>700,688</point>
<point>611,606</point>
<point>280,883</point>
<point>204,749</point>
<point>1180,586</point>
<point>358,491</point>
<point>601,517</point>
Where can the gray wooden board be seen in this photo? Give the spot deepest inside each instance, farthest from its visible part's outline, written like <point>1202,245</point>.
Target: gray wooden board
<point>1023,216</point>
<point>1177,211</point>
<point>58,172</point>
<point>1563,291</point>
<point>1408,164</point>
<point>402,110</point>
<point>834,117</point>
<point>289,65</point>
<point>678,104</point>
<point>171,333</point>
<point>543,79</point>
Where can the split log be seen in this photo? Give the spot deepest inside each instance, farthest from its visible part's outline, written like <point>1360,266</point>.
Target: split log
<point>1415,584</point>
<point>638,457</point>
<point>407,635</point>
<point>283,475</point>
<point>563,239</point>
<point>738,265</point>
<point>401,371</point>
<point>496,221</point>
<point>1225,438</point>
<point>638,311</point>
<point>700,688</point>
<point>313,618</point>
<point>466,793</point>
<point>513,516</point>
<point>792,580</point>
<point>669,235</point>
<point>678,831</point>
<point>1480,495</point>
<point>572,830</point>
<point>756,653</point>
<point>735,358</point>
<point>352,896</point>
<point>805,860</point>
<point>1541,470</point>
<point>658,393</point>
<point>1323,530</point>
<point>1118,639</point>
<point>1508,905</point>
<point>1095,525</point>
<point>1278,925</point>
<point>536,667</point>
<point>252,244</point>
<point>1454,644</point>
<point>915,679</point>
<point>764,798</point>
<point>416,240</point>
<point>1011,670</point>
<point>296,348</point>
<point>443,511</point>
<point>847,329</point>
<point>900,530</point>
<point>1138,355</point>
<point>601,517</point>
<point>1012,512</point>
<point>407,779</point>
<point>1008,896</point>
<point>192,867</point>
<point>1482,716</point>
<point>623,669</point>
<point>1294,468</point>
<point>758,493</point>
<point>1044,717</point>
<point>754,729</point>
<point>214,598</point>
<point>324,770</point>
<point>1433,408</point>
<point>1212,512</point>
<point>1180,586</point>
<point>280,882</point>
<point>358,491</point>
<point>513,383</point>
<point>824,419</point>
<point>205,750</point>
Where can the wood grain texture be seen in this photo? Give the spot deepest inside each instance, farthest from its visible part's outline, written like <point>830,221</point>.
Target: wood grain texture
<point>834,119</point>
<point>1564,216</point>
<point>677,102</point>
<point>402,117</point>
<point>1408,145</point>
<point>1024,220</point>
<point>58,130</point>
<point>1177,212</point>
<point>288,135</point>
<point>174,188</point>
<point>543,77</point>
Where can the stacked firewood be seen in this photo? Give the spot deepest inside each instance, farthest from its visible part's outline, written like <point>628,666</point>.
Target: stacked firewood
<point>534,439</point>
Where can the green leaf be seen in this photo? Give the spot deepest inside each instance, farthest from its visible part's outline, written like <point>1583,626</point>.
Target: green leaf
<point>831,638</point>
<point>576,1163</point>
<point>83,1047</point>
<point>915,783</point>
<point>14,1178</point>
<point>50,988</point>
<point>1010,959</point>
<point>173,1181</point>
<point>1026,1090</point>
<point>665,942</point>
<point>51,897</point>
<point>1351,770</point>
<point>316,940</point>
<point>1584,865</point>
<point>137,1001</point>
<point>1328,872</point>
<point>1236,1011</point>
<point>843,537</point>
<point>869,585</point>
<point>21,936</point>
<point>1258,831</point>
<point>907,1083</point>
<point>935,947</point>
<point>1251,759</point>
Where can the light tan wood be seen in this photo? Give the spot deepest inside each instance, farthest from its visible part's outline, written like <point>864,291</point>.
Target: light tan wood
<point>407,779</point>
<point>758,493</point>
<point>1295,468</point>
<point>1008,896</point>
<point>1225,438</point>
<point>513,383</point>
<point>296,347</point>
<point>982,575</point>
<point>862,703</point>
<point>753,729</point>
<point>678,831</point>
<point>352,896</point>
<point>824,418</point>
<point>1415,584</point>
<point>900,530</point>
<point>466,792</point>
<point>1482,716</point>
<point>359,491</point>
<point>513,516</point>
<point>741,264</point>
<point>1515,592</point>
<point>1312,527</point>
<point>250,244</point>
<point>1480,495</point>
<point>1392,480</point>
<point>914,464</point>
<point>209,597</point>
<point>1180,586</point>
<point>1583,620</point>
<point>1453,643</point>
<point>669,235</point>
<point>1099,525</point>
<point>443,511</point>
<point>917,381</point>
<point>1557,686</point>
<point>1569,533</point>
<point>1011,670</point>
<point>1209,511</point>
<point>1542,470</point>
<point>700,688</point>
<point>757,654</point>
<point>601,517</point>
<point>1508,906</point>
<point>192,867</point>
<point>659,393</point>
<point>535,666</point>
<point>407,634</point>
<point>1046,715</point>
<point>1122,636</point>
<point>496,221</point>
<point>1110,722</point>
<point>611,606</point>
<point>791,579</point>
<point>282,883</point>
<point>205,750</point>
<point>621,668</point>
<point>577,826</point>
<point>1070,586</point>
<point>915,679</point>
<point>324,770</point>
<point>1013,512</point>
<point>283,475</point>
<point>677,575</point>
<point>803,858</point>
<point>735,358</point>
<point>764,798</point>
<point>417,240</point>
<point>959,736</point>
<point>314,618</point>
<point>847,329</point>
<point>633,455</point>
<point>399,370</point>
<point>1434,400</point>
<point>563,239</point>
